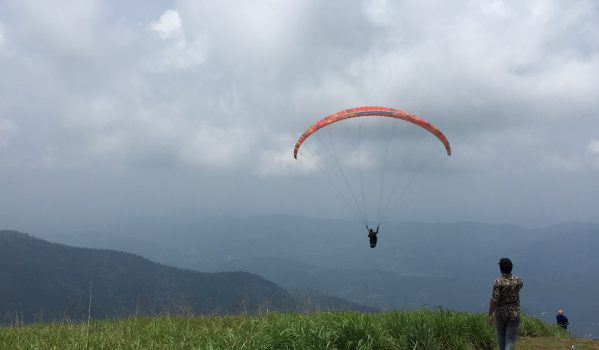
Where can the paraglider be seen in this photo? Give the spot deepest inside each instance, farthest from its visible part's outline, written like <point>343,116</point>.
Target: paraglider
<point>393,193</point>
<point>372,236</point>
<point>371,111</point>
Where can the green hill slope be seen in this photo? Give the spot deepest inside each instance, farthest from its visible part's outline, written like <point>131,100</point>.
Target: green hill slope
<point>47,281</point>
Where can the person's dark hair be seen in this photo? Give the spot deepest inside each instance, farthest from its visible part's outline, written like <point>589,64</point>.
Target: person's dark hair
<point>505,265</point>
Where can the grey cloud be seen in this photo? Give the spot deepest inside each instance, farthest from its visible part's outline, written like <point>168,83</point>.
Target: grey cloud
<point>60,27</point>
<point>2,38</point>
<point>592,154</point>
<point>108,88</point>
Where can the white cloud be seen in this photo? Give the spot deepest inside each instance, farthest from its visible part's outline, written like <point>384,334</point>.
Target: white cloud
<point>378,11</point>
<point>2,36</point>
<point>263,30</point>
<point>7,130</point>
<point>183,55</point>
<point>64,26</point>
<point>178,51</point>
<point>109,143</point>
<point>219,147</point>
<point>497,52</point>
<point>592,154</point>
<point>279,160</point>
<point>6,51</point>
<point>281,163</point>
<point>364,159</point>
<point>557,163</point>
<point>169,26</point>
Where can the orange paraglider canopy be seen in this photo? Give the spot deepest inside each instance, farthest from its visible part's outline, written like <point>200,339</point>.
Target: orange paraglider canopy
<point>372,111</point>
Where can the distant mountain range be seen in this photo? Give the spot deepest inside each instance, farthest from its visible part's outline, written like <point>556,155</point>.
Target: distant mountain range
<point>41,281</point>
<point>414,265</point>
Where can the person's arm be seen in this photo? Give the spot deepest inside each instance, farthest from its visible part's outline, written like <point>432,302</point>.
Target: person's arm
<point>492,307</point>
<point>495,294</point>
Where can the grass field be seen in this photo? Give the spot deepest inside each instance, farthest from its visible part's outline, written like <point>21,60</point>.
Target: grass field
<point>421,329</point>
<point>556,343</point>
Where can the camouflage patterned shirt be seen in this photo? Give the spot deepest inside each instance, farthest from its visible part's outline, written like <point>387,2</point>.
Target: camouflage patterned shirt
<point>506,293</point>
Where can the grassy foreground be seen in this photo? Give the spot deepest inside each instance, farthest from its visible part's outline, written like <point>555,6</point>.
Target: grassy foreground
<point>422,329</point>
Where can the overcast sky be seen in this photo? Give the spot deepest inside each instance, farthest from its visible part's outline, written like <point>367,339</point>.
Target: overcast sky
<point>182,110</point>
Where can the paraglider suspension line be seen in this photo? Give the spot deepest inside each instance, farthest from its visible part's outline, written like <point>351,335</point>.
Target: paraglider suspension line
<point>340,168</point>
<point>331,182</point>
<point>360,173</point>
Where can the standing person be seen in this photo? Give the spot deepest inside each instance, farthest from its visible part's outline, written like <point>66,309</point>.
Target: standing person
<point>504,307</point>
<point>561,319</point>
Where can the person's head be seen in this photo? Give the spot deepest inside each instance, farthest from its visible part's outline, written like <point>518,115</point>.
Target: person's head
<point>505,265</point>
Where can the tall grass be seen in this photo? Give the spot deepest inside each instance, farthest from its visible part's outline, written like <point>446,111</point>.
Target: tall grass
<point>421,329</point>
